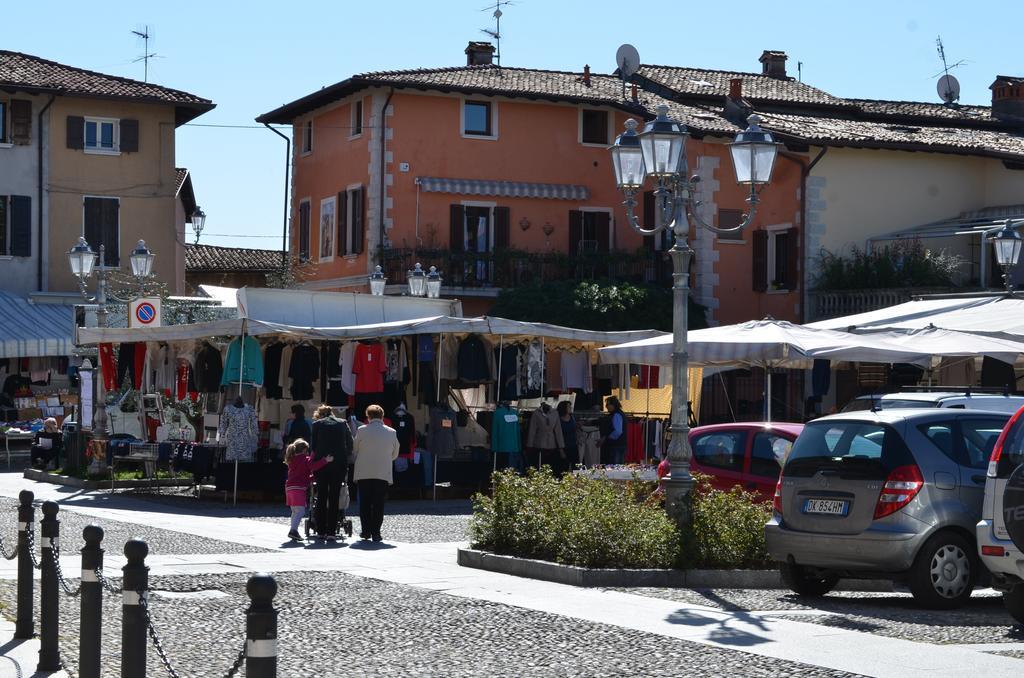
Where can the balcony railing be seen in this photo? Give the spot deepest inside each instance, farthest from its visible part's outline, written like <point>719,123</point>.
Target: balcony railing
<point>837,303</point>
<point>514,268</point>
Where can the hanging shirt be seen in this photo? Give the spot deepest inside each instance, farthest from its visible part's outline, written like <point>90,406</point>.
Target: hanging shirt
<point>369,367</point>
<point>243,357</point>
<point>443,439</point>
<point>272,371</point>
<point>505,432</point>
<point>397,367</point>
<point>553,371</point>
<point>405,426</point>
<point>507,359</point>
<point>346,360</point>
<point>239,428</point>
<point>576,371</point>
<point>650,377</point>
<point>304,370</point>
<point>472,360</point>
<point>425,348</point>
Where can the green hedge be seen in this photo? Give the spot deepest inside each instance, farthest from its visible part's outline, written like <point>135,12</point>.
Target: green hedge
<point>577,520</point>
<point>727,529</point>
<point>592,522</point>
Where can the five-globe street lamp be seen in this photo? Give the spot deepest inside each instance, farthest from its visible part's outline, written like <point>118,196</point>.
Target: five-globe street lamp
<point>82,260</point>
<point>659,152</point>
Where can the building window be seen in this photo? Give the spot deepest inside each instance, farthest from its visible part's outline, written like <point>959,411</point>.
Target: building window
<point>5,134</point>
<point>5,225</point>
<point>357,118</point>
<point>594,127</point>
<point>775,259</point>
<point>101,227</point>
<point>304,230</point>
<point>476,118</point>
<point>102,135</point>
<point>351,220</point>
<point>327,225</point>
<point>15,225</point>
<point>307,137</point>
<point>589,231</point>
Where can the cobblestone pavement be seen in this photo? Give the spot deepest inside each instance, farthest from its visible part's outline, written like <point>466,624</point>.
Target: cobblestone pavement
<point>335,624</point>
<point>982,620</point>
<point>163,542</point>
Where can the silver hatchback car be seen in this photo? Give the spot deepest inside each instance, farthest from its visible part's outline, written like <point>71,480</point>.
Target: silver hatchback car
<point>890,494</point>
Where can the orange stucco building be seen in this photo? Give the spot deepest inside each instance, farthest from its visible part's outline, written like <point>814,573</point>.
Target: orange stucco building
<point>501,176</point>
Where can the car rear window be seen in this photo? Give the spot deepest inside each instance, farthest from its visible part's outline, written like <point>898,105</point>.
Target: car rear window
<point>853,447</point>
<point>864,404</point>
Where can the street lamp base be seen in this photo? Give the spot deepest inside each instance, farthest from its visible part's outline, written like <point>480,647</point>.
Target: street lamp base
<point>678,499</point>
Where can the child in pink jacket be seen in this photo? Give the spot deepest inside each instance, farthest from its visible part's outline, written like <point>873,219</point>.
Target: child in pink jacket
<point>300,471</point>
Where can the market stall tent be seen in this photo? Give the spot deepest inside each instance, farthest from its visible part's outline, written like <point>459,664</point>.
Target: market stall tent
<point>302,308</point>
<point>31,330</point>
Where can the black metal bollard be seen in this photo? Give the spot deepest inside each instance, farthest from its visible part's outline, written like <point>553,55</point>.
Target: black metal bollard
<point>261,628</point>
<point>133,617</point>
<point>24,627</point>
<point>91,627</point>
<point>49,591</point>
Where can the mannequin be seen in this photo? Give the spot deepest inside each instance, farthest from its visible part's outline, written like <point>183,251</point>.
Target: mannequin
<point>544,437</point>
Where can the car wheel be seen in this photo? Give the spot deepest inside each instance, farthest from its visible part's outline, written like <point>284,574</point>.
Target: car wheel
<point>804,583</point>
<point>944,572</point>
<point>1014,602</point>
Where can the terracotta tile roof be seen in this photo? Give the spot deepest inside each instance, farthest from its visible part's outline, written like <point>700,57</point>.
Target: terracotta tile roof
<point>180,174</point>
<point>920,109</point>
<point>34,74</point>
<point>214,258</point>
<point>842,131</point>
<point>712,84</point>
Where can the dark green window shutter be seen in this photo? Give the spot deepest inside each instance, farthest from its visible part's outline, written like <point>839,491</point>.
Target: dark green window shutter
<point>358,220</point>
<point>342,223</point>
<point>792,260</point>
<point>575,231</point>
<point>21,122</point>
<point>21,226</point>
<point>456,228</point>
<point>760,261</point>
<point>76,132</point>
<point>602,230</point>
<point>129,135</point>
<point>111,237</point>
<point>100,227</point>
<point>502,236</point>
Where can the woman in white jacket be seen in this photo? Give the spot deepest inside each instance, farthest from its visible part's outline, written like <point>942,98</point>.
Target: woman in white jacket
<point>375,449</point>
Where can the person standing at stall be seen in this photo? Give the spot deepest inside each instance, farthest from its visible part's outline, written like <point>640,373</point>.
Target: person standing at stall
<point>332,439</point>
<point>298,426</point>
<point>613,433</point>
<point>570,456</point>
<point>375,448</point>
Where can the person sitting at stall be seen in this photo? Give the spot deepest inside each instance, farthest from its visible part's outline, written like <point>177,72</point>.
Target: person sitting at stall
<point>48,445</point>
<point>298,426</point>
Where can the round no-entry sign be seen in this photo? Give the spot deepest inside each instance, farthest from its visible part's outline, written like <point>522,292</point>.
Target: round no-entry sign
<point>145,313</point>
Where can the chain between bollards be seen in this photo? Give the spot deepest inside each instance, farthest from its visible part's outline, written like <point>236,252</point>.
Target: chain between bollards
<point>25,627</point>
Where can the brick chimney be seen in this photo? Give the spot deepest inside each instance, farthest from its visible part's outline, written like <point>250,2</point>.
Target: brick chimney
<point>479,54</point>
<point>773,64</point>
<point>1008,99</point>
<point>736,88</point>
<point>736,107</point>
<point>586,75</point>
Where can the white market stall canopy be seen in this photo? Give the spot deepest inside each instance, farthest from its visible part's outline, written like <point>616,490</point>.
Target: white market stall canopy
<point>511,329</point>
<point>29,330</point>
<point>767,343</point>
<point>301,308</point>
<point>998,316</point>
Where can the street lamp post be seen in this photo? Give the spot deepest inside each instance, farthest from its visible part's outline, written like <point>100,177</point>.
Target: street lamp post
<point>82,260</point>
<point>1007,244</point>
<point>659,151</point>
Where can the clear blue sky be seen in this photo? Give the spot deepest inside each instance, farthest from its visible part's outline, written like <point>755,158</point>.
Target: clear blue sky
<point>250,57</point>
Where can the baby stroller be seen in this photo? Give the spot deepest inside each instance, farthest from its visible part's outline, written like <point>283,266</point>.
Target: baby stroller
<point>312,503</point>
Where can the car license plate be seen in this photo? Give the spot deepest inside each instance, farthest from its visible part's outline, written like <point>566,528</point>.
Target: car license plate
<point>832,507</point>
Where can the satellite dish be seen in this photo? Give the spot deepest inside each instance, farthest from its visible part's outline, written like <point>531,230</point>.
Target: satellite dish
<point>627,59</point>
<point>948,88</point>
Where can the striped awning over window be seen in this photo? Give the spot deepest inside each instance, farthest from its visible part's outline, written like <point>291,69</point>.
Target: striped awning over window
<point>504,189</point>
<point>34,330</point>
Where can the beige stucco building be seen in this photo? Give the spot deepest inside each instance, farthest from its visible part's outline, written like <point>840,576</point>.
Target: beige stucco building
<point>98,161</point>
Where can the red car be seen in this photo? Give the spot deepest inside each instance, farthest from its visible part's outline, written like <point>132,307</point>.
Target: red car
<point>748,454</point>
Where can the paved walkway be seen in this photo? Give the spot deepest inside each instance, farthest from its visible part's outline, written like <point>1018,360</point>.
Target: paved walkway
<point>433,566</point>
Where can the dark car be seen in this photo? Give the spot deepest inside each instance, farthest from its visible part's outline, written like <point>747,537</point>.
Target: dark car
<point>748,454</point>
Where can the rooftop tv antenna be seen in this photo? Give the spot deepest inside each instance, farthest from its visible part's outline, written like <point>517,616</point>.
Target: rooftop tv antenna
<point>948,87</point>
<point>627,59</point>
<point>496,33</point>
<point>145,35</point>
